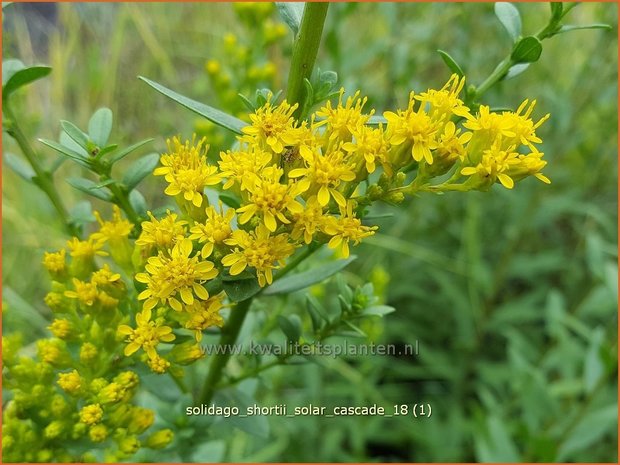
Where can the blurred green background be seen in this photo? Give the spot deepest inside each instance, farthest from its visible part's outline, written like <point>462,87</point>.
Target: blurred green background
<point>512,295</point>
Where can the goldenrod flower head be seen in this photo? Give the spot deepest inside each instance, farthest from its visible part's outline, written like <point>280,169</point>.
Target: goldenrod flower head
<point>98,433</point>
<point>91,414</point>
<point>213,66</point>
<point>50,350</point>
<point>370,146</point>
<point>54,301</point>
<point>146,336</point>
<point>187,352</point>
<point>70,382</point>
<point>112,393</point>
<point>162,234</point>
<point>55,262</point>
<point>127,379</point>
<point>177,274</point>
<point>54,429</point>
<point>141,419</point>
<point>106,300</point>
<point>113,231</point>
<point>344,119</point>
<point>529,165</point>
<point>61,328</point>
<point>86,293</point>
<point>88,352</point>
<point>186,170</point>
<point>158,364</point>
<point>242,166</point>
<point>270,126</point>
<point>451,144</point>
<point>271,199</point>
<point>309,221</point>
<point>214,230</point>
<point>324,173</point>
<point>445,103</point>
<point>160,439</point>
<point>203,314</point>
<point>491,125</point>
<point>416,128</point>
<point>494,166</point>
<point>259,250</point>
<point>129,445</point>
<point>345,229</point>
<point>85,249</point>
<point>523,126</point>
<point>105,277</point>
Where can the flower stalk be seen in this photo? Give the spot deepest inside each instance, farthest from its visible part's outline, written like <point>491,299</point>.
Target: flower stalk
<point>305,49</point>
<point>43,177</point>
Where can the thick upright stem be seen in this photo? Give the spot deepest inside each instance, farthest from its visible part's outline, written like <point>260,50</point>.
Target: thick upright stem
<point>305,49</point>
<point>43,178</point>
<point>230,332</point>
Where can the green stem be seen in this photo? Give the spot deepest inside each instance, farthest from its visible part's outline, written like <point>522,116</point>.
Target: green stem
<point>305,49</point>
<point>43,178</point>
<point>229,335</point>
<point>230,332</point>
<point>122,200</point>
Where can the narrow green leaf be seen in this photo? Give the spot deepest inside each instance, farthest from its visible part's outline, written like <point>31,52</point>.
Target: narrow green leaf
<point>139,170</point>
<point>516,70</point>
<point>509,16</point>
<point>589,430</point>
<point>376,120</point>
<point>229,199</point>
<point>100,126</point>
<point>212,114</point>
<point>290,326</point>
<point>305,279</point>
<point>378,310</point>
<point>105,150</point>
<point>66,152</point>
<point>593,364</point>
<point>21,168</point>
<point>574,27</point>
<point>123,153</point>
<point>65,140</point>
<point>90,188</point>
<point>527,50</point>
<point>241,289</point>
<point>138,202</point>
<point>21,77</point>
<point>82,213</point>
<point>291,13</point>
<point>76,134</point>
<point>9,68</point>
<point>451,63</point>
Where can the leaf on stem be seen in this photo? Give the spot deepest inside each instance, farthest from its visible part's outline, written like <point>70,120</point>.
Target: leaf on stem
<point>139,170</point>
<point>291,13</point>
<point>451,63</point>
<point>509,16</point>
<point>212,114</point>
<point>89,187</point>
<point>16,75</point>
<point>527,50</point>
<point>295,282</point>
<point>19,166</point>
<point>100,126</point>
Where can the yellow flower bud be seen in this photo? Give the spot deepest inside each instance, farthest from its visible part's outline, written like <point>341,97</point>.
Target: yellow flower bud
<point>88,352</point>
<point>53,430</point>
<point>61,328</point>
<point>160,439</point>
<point>91,414</point>
<point>113,392</point>
<point>141,419</point>
<point>129,445</point>
<point>98,433</point>
<point>213,66</point>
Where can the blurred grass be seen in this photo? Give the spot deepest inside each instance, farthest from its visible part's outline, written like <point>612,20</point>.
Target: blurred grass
<point>512,295</point>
